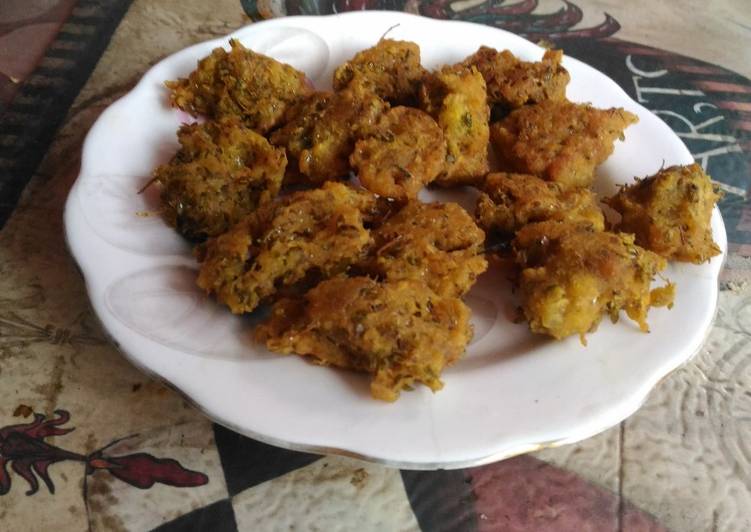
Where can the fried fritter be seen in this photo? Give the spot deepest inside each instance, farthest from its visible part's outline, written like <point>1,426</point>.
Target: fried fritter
<point>455,96</point>
<point>435,243</point>
<point>296,133</point>
<point>510,201</point>
<point>670,213</point>
<point>399,332</point>
<point>513,83</point>
<point>559,141</point>
<point>321,131</point>
<point>302,238</point>
<point>572,275</point>
<point>222,172</point>
<point>406,153</point>
<point>241,83</point>
<point>391,69</point>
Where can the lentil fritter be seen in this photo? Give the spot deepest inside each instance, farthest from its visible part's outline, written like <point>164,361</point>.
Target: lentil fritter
<point>406,152</point>
<point>222,172</point>
<point>390,69</point>
<point>513,83</point>
<point>572,275</point>
<point>511,201</point>
<point>320,132</point>
<point>670,213</point>
<point>559,141</point>
<point>435,243</point>
<point>307,236</point>
<point>240,83</point>
<point>456,97</point>
<point>400,332</point>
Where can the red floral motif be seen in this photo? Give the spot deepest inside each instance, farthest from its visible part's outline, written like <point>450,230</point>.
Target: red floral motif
<point>143,470</point>
<point>23,447</point>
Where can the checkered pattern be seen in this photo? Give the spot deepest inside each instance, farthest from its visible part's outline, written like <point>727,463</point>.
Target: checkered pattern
<point>256,487</point>
<point>267,488</point>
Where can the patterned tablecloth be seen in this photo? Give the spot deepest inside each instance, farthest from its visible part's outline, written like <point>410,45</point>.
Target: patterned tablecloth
<point>141,457</point>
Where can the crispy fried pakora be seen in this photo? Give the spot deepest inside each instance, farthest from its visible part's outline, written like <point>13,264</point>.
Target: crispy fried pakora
<point>296,133</point>
<point>321,131</point>
<point>391,69</point>
<point>455,96</point>
<point>435,243</point>
<point>513,83</point>
<point>302,238</point>
<point>670,213</point>
<point>240,83</point>
<point>559,141</point>
<point>511,201</point>
<point>572,275</point>
<point>222,172</point>
<point>406,153</point>
<point>399,332</point>
<point>372,280</point>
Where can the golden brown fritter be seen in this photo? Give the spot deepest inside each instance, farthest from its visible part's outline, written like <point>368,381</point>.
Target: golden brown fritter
<point>304,237</point>
<point>670,213</point>
<point>435,243</point>
<point>321,131</point>
<point>510,201</point>
<point>391,69</point>
<point>572,275</point>
<point>559,141</point>
<point>406,153</point>
<point>399,332</point>
<point>241,83</point>
<point>296,133</point>
<point>513,83</point>
<point>222,172</point>
<point>456,98</point>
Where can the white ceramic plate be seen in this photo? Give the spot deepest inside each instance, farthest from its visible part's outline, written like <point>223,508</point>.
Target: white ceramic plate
<point>512,393</point>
